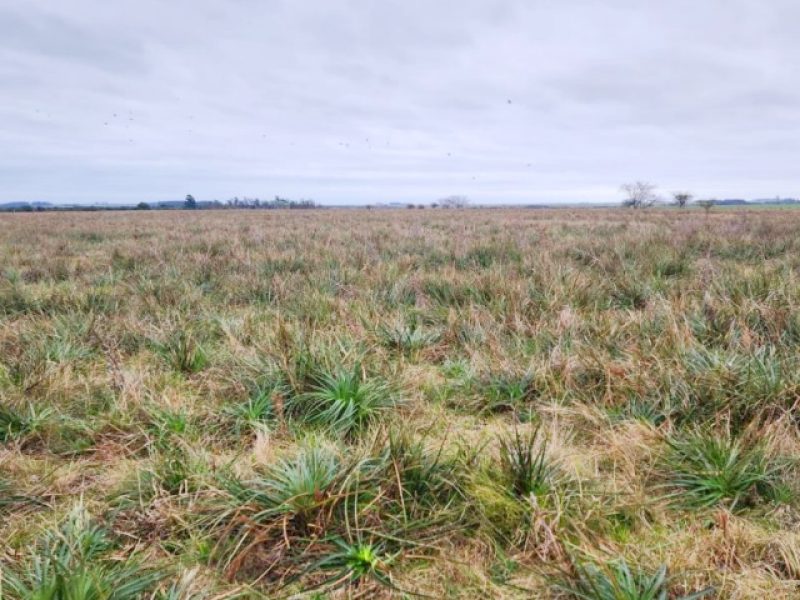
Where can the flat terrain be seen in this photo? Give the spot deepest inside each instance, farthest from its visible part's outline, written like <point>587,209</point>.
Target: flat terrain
<point>452,403</point>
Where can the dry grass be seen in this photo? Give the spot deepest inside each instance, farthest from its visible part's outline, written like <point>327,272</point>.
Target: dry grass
<point>170,378</point>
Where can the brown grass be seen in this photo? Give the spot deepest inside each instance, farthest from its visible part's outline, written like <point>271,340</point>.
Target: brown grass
<point>131,344</point>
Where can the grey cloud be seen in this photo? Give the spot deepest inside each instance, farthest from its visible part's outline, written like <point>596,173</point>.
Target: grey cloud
<point>362,101</point>
<point>56,38</point>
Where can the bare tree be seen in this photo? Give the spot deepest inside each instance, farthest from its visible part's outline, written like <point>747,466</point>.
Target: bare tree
<point>681,198</point>
<point>454,202</point>
<point>639,194</point>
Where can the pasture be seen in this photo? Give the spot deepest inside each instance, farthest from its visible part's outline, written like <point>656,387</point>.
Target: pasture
<point>465,403</point>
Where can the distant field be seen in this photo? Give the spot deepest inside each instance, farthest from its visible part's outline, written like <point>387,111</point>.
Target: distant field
<point>579,403</point>
<point>754,207</point>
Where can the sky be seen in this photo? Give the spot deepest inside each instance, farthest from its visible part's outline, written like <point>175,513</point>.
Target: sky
<point>370,101</point>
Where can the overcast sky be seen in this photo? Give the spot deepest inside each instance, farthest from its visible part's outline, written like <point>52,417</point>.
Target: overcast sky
<point>362,101</point>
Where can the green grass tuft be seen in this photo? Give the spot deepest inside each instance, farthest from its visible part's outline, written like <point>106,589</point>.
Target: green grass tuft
<point>344,401</point>
<point>75,562</point>
<point>707,470</point>
<point>524,462</point>
<point>616,580</point>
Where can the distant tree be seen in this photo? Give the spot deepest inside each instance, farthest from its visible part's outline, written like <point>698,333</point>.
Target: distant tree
<point>455,201</point>
<point>190,202</point>
<point>434,205</point>
<point>639,194</point>
<point>706,205</point>
<point>681,198</point>
<point>143,206</point>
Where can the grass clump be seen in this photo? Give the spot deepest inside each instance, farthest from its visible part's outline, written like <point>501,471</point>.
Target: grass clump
<point>524,462</point>
<point>506,392</point>
<point>407,339</point>
<point>256,412</point>
<point>617,580</point>
<point>171,471</point>
<point>12,424</point>
<point>298,484</point>
<point>76,561</point>
<point>344,401</point>
<point>305,482</point>
<point>16,425</point>
<point>524,501</point>
<point>166,426</point>
<point>183,352</point>
<point>355,563</point>
<point>707,469</point>
<point>427,477</point>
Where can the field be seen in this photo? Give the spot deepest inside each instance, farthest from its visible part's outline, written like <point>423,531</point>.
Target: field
<point>596,404</point>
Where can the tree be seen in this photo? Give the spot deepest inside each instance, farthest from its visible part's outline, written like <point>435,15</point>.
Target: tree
<point>681,198</point>
<point>190,202</point>
<point>706,205</point>
<point>143,206</point>
<point>639,194</point>
<point>454,201</point>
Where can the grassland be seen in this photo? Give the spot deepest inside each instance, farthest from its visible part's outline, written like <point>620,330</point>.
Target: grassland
<point>455,404</point>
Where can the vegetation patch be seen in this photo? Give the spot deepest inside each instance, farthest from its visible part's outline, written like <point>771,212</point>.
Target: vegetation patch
<point>504,403</point>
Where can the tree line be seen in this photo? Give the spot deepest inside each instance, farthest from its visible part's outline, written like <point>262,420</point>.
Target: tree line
<point>642,194</point>
<point>245,202</point>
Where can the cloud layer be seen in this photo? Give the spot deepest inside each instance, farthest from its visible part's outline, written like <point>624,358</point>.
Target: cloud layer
<point>360,101</point>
